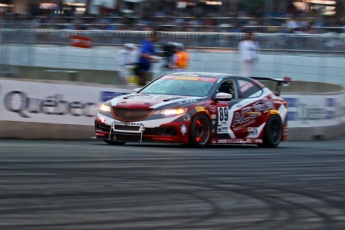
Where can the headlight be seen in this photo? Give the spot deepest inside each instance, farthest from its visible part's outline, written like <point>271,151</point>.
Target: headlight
<point>172,111</point>
<point>105,108</point>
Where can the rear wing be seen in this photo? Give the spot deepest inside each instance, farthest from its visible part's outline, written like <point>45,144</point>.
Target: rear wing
<point>279,82</point>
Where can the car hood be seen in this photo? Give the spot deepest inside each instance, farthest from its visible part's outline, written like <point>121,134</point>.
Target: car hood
<point>152,101</point>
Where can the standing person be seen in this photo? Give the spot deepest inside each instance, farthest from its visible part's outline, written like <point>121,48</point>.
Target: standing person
<point>182,58</point>
<point>126,60</point>
<point>248,55</point>
<point>146,58</point>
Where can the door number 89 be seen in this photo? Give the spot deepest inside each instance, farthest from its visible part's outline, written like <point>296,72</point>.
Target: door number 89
<point>223,114</point>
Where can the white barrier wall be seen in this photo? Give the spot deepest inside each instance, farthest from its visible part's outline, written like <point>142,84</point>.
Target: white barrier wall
<point>318,67</point>
<point>24,101</point>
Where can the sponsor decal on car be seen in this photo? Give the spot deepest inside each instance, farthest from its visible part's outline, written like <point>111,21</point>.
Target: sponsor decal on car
<point>186,101</point>
<point>200,109</point>
<point>246,87</point>
<point>183,129</point>
<point>239,127</point>
<point>128,123</point>
<point>198,74</point>
<point>224,141</point>
<point>252,131</point>
<point>248,114</point>
<point>190,78</point>
<point>236,141</point>
<point>186,78</point>
<point>213,108</point>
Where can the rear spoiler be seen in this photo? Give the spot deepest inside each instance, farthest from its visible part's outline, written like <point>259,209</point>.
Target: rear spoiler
<point>285,81</point>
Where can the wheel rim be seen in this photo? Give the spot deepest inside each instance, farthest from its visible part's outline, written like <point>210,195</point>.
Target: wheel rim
<point>275,131</point>
<point>201,131</point>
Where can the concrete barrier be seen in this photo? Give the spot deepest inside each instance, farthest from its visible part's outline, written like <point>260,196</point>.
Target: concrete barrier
<point>111,77</point>
<point>38,130</point>
<point>316,133</point>
<point>316,110</point>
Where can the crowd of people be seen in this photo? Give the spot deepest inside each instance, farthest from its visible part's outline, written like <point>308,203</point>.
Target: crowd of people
<point>188,24</point>
<point>137,62</point>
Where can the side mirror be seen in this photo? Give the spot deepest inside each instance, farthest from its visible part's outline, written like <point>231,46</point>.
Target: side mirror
<point>137,89</point>
<point>223,96</point>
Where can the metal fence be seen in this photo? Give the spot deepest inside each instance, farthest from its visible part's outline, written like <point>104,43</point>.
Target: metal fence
<point>276,42</point>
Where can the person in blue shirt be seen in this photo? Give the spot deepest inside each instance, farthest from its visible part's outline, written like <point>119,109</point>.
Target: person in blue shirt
<point>146,58</point>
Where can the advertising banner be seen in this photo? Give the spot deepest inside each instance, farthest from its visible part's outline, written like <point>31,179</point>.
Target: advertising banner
<point>52,103</point>
<point>74,104</point>
<point>315,110</point>
<point>81,42</point>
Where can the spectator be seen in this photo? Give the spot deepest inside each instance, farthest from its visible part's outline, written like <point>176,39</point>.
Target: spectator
<point>182,59</point>
<point>146,58</point>
<point>126,60</point>
<point>248,51</point>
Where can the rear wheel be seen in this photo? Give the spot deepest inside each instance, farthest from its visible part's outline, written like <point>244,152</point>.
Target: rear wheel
<point>200,131</point>
<point>273,132</point>
<point>114,142</point>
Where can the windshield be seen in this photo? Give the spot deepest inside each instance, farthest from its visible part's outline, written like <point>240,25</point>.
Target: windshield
<point>184,86</point>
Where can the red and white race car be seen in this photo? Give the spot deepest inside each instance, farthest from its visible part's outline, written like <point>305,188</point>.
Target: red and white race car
<point>199,109</point>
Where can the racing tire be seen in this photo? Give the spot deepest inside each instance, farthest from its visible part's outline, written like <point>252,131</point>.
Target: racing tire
<point>200,131</point>
<point>273,132</point>
<point>114,142</point>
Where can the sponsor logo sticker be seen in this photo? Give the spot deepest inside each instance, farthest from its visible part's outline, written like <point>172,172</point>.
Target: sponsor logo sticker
<point>252,131</point>
<point>213,108</point>
<point>200,109</point>
<point>183,129</point>
<point>187,78</point>
<point>224,141</point>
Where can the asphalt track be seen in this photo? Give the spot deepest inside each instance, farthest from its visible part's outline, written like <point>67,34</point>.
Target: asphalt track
<point>91,185</point>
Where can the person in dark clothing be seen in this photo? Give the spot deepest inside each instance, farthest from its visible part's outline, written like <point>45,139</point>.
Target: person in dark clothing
<point>146,58</point>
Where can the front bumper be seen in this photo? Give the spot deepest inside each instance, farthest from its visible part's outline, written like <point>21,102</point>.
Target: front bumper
<point>173,132</point>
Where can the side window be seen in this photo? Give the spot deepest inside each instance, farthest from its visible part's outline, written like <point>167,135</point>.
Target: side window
<point>249,89</point>
<point>228,87</point>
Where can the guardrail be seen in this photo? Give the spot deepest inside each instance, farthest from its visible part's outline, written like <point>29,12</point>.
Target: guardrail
<point>277,42</point>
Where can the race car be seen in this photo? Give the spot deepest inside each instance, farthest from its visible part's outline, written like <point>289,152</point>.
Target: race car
<point>199,109</point>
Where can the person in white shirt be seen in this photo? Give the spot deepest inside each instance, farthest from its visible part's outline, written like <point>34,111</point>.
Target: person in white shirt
<point>248,51</point>
<point>126,61</point>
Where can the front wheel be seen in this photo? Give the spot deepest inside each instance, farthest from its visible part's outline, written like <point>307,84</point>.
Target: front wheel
<point>200,131</point>
<point>114,142</point>
<point>273,132</point>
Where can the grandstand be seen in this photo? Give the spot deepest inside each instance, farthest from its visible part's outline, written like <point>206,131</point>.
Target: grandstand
<point>284,16</point>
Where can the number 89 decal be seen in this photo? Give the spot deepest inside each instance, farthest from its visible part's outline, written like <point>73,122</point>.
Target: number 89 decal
<point>223,115</point>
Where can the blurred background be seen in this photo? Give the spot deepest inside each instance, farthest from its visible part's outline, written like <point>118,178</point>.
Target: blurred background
<point>272,16</point>
<point>302,39</point>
